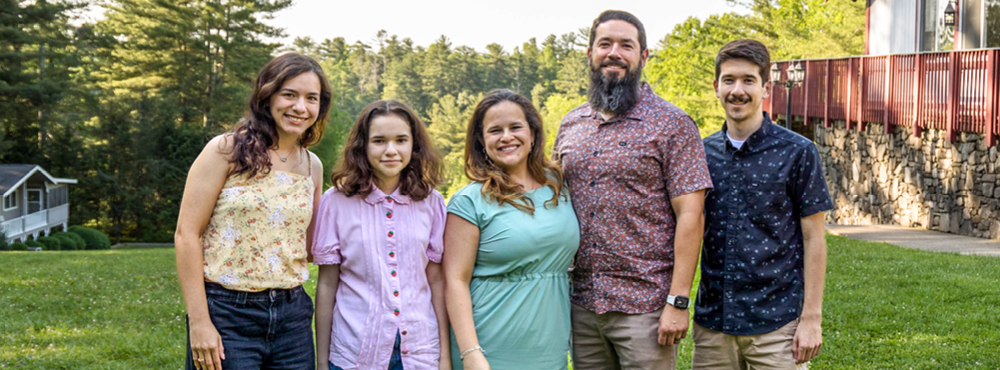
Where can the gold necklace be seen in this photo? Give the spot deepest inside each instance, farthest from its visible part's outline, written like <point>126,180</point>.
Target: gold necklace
<point>283,159</point>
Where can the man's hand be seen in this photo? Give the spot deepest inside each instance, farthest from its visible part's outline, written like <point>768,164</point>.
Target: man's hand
<point>673,326</point>
<point>808,340</point>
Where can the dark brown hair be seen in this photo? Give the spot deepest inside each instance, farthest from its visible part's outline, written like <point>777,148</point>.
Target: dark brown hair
<point>497,185</point>
<point>747,49</point>
<point>257,133</point>
<point>421,175</point>
<point>621,15</point>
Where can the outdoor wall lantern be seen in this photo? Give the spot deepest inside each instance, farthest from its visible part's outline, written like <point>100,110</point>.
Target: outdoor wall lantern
<point>949,14</point>
<point>795,75</point>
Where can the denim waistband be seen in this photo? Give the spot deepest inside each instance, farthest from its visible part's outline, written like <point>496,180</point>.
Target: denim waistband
<point>217,290</point>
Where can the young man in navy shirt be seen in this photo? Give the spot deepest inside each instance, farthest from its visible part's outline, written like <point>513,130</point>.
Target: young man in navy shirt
<point>764,258</point>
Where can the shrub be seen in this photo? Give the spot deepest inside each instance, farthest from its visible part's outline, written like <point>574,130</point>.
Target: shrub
<point>3,241</point>
<point>71,241</point>
<point>51,244</point>
<point>18,246</point>
<point>34,243</point>
<point>94,239</point>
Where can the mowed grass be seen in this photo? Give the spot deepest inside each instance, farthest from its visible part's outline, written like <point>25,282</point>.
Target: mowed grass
<point>885,308</point>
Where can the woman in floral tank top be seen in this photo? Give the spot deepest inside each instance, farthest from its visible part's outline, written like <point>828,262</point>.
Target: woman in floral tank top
<point>241,239</point>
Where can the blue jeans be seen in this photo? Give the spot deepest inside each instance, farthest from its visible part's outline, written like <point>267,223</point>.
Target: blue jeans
<point>395,362</point>
<point>271,329</point>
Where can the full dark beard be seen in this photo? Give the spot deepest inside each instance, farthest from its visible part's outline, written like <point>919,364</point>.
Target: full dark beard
<point>612,94</point>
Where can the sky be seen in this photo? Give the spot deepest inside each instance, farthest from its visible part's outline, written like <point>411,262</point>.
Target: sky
<point>474,23</point>
<point>478,23</point>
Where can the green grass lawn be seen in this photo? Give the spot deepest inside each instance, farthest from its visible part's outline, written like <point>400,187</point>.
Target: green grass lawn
<point>885,308</point>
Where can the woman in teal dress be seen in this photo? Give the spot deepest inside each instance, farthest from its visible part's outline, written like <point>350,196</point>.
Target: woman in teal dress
<point>509,242</point>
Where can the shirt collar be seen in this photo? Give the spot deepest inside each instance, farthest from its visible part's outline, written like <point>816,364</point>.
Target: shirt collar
<point>636,113</point>
<point>755,138</point>
<point>377,196</point>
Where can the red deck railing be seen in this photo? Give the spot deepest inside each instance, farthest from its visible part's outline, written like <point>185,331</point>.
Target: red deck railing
<point>955,91</point>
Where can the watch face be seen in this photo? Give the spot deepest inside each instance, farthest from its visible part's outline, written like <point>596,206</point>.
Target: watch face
<point>681,302</point>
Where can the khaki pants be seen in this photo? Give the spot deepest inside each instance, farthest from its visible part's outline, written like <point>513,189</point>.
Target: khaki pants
<point>619,341</point>
<point>715,350</point>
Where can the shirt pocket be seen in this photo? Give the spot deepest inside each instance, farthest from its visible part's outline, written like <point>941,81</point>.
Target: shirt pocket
<point>633,162</point>
<point>768,203</point>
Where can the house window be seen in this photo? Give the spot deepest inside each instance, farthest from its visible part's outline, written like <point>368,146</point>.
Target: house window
<point>34,200</point>
<point>10,201</point>
<point>992,31</point>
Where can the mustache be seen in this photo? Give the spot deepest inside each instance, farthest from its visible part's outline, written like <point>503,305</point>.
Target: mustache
<point>739,99</point>
<point>616,63</point>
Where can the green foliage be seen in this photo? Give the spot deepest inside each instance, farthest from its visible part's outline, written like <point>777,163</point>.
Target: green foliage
<point>94,239</point>
<point>71,241</point>
<point>51,244</point>
<point>4,246</point>
<point>34,243</point>
<point>18,246</point>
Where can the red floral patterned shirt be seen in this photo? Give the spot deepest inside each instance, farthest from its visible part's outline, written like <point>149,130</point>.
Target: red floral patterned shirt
<point>622,174</point>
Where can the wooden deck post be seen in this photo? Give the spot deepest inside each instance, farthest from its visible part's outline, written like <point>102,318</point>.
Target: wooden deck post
<point>952,107</point>
<point>827,96</point>
<point>888,95</point>
<point>918,97</point>
<point>991,97</point>
<point>850,92</point>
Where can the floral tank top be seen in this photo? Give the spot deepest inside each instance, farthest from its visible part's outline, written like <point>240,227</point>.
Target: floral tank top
<point>256,238</point>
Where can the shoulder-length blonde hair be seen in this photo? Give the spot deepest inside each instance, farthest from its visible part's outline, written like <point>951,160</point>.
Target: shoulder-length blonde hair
<point>497,184</point>
<point>417,180</point>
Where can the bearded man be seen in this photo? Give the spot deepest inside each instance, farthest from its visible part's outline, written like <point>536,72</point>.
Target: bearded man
<point>636,170</point>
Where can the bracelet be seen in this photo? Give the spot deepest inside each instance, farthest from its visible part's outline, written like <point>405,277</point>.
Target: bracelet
<point>468,351</point>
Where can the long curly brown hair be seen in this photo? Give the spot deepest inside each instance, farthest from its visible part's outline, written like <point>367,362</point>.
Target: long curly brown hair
<point>257,133</point>
<point>497,184</point>
<point>421,175</point>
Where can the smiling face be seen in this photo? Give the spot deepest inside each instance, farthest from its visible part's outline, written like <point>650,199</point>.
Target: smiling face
<point>616,50</point>
<point>740,90</point>
<point>507,137</point>
<point>390,146</point>
<point>295,106</point>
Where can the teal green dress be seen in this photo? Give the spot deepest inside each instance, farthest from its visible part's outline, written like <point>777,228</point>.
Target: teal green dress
<point>520,284</point>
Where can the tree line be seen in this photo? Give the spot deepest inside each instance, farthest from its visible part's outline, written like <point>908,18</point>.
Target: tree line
<point>124,104</point>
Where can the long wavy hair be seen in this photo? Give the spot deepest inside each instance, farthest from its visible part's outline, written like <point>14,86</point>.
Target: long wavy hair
<point>257,132</point>
<point>421,175</point>
<point>497,184</point>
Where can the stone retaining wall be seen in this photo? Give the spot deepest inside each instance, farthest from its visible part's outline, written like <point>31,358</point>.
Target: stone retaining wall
<point>898,178</point>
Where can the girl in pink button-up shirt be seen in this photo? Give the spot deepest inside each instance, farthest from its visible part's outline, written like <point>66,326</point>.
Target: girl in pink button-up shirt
<point>378,244</point>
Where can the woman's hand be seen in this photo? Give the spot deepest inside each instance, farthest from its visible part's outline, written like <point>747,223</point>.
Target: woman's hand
<point>475,360</point>
<point>206,347</point>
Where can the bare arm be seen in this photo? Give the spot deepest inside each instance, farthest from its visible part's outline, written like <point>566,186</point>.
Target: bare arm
<point>317,177</point>
<point>809,335</point>
<point>435,278</point>
<point>461,244</point>
<point>204,183</point>
<point>689,210</point>
<point>326,298</point>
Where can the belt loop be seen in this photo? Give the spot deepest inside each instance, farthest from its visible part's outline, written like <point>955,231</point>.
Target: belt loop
<point>241,297</point>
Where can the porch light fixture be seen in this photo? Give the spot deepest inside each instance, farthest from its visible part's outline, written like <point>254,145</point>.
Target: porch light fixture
<point>949,14</point>
<point>795,74</point>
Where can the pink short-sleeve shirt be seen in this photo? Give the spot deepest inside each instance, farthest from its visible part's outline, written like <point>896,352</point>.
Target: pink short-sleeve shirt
<point>383,244</point>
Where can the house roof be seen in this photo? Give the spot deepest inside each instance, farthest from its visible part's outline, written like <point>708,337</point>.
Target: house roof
<point>12,175</point>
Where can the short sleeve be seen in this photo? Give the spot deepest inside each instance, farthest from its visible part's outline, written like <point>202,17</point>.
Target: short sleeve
<point>326,242</point>
<point>463,205</point>
<point>435,248</point>
<point>685,165</point>
<point>809,188</point>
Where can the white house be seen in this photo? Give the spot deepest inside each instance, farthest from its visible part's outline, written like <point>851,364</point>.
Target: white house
<point>915,26</point>
<point>34,202</point>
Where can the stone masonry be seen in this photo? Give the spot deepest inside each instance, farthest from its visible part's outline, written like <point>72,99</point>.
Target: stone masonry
<point>901,179</point>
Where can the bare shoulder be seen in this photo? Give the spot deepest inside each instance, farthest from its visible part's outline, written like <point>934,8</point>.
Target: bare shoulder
<point>317,169</point>
<point>214,158</point>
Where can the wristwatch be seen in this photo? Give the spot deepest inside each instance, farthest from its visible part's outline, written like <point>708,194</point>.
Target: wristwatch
<point>678,301</point>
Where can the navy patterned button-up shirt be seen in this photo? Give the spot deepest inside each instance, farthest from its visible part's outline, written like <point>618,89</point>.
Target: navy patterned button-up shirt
<point>752,260</point>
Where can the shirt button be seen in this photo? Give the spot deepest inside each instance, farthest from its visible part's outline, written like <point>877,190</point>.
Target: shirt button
<point>388,198</point>
<point>595,152</point>
<point>393,272</point>
<point>404,332</point>
<point>395,293</point>
<point>388,214</point>
<point>390,234</point>
<point>404,352</point>
<point>591,214</point>
<point>396,311</point>
<point>392,254</point>
<point>592,183</point>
